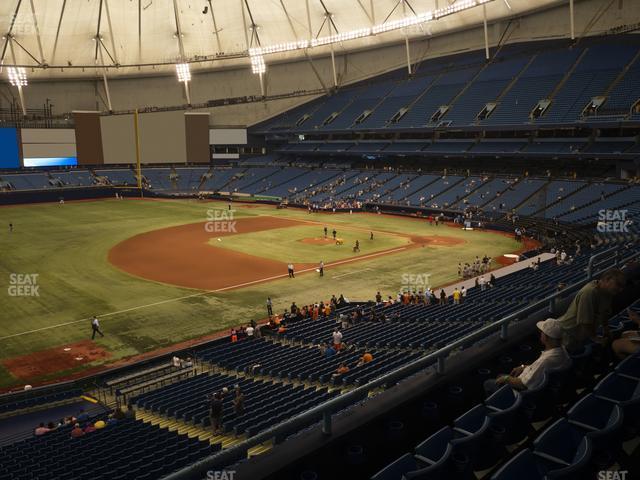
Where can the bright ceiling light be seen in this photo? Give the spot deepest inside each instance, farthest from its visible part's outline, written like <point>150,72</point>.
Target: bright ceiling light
<point>17,76</point>
<point>418,19</point>
<point>257,65</point>
<point>183,71</point>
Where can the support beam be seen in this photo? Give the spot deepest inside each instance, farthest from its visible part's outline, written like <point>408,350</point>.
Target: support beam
<point>187,92</point>
<point>254,26</point>
<point>7,40</point>
<point>113,41</point>
<point>23,105</point>
<point>139,31</point>
<point>178,30</point>
<point>309,20</point>
<point>406,37</point>
<point>244,25</point>
<point>333,57</point>
<point>35,25</point>
<point>572,21</point>
<point>55,42</point>
<point>215,26</point>
<point>261,75</point>
<point>104,79</point>
<point>486,31</point>
<point>286,13</point>
<point>366,12</point>
<point>97,37</point>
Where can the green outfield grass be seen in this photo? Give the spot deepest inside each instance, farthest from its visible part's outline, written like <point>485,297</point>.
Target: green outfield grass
<point>287,245</point>
<point>67,246</point>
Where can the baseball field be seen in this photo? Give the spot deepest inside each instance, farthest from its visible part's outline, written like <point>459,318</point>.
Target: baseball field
<point>163,272</point>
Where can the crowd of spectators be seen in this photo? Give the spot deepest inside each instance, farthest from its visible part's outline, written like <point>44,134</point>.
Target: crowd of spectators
<point>82,424</point>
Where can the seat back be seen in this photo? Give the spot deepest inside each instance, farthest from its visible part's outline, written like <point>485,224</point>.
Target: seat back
<point>436,446</point>
<point>397,469</point>
<point>561,441</point>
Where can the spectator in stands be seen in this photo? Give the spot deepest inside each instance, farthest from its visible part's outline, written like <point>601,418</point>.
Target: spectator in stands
<point>366,358</point>
<point>249,331</point>
<point>629,342</point>
<point>529,376</point>
<point>329,351</point>
<point>483,283</point>
<point>82,417</point>
<point>456,296</point>
<point>337,339</point>
<point>41,430</point>
<point>77,431</point>
<point>90,428</point>
<point>590,309</point>
<point>341,370</point>
<point>186,363</point>
<point>238,401</point>
<point>463,294</point>
<point>443,297</point>
<point>216,408</point>
<point>99,425</point>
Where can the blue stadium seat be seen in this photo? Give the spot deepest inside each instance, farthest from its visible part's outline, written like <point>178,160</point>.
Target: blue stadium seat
<point>598,419</point>
<point>563,450</point>
<point>435,451</point>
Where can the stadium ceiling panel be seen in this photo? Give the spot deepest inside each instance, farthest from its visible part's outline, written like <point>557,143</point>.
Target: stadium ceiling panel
<point>59,38</point>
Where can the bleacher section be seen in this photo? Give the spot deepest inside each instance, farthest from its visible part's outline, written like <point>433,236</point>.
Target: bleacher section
<point>516,78</point>
<point>128,449</point>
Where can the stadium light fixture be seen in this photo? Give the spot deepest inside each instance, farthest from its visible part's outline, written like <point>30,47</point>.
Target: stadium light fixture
<point>409,21</point>
<point>17,76</point>
<point>257,65</point>
<point>183,71</point>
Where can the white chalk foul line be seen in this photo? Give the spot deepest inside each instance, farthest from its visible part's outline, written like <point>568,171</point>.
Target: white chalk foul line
<point>352,273</point>
<point>200,294</point>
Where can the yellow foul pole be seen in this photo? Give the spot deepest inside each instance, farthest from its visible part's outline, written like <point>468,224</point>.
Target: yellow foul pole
<point>138,170</point>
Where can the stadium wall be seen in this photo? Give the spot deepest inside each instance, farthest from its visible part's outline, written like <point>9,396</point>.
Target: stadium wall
<point>592,17</point>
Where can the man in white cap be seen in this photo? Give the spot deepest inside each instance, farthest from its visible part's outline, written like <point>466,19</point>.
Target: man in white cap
<point>530,376</point>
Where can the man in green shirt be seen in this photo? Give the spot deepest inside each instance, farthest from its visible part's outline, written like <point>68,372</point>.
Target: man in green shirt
<point>590,309</point>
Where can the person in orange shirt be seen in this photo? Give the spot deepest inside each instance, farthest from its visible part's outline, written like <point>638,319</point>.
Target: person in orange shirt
<point>366,358</point>
<point>342,369</point>
<point>234,336</point>
<point>315,312</point>
<point>327,310</point>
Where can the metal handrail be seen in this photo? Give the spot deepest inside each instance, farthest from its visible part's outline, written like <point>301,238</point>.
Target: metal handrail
<point>327,408</point>
<point>597,256</point>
